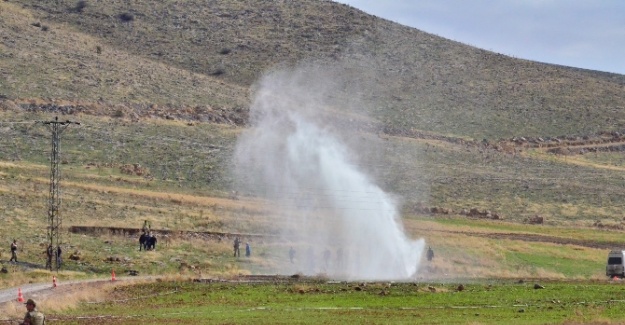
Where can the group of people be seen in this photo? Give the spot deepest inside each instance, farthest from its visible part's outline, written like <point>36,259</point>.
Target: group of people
<point>327,254</point>
<point>340,257</point>
<point>147,241</point>
<point>51,254</point>
<point>237,248</point>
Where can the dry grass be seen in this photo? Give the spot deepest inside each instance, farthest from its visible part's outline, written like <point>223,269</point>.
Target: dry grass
<point>418,81</point>
<point>70,296</point>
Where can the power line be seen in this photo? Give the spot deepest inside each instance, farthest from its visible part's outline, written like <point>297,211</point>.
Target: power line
<point>54,203</point>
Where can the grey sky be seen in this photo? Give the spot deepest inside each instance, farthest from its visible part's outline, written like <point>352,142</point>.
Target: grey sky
<point>587,34</point>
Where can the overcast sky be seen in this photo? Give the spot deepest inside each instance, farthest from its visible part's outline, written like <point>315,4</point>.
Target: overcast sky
<point>587,34</point>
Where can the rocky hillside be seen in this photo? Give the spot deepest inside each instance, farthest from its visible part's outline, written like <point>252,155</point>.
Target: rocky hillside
<point>193,55</point>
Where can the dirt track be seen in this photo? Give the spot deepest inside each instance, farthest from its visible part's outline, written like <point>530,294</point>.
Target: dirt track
<point>227,236</point>
<point>46,292</point>
<point>209,235</point>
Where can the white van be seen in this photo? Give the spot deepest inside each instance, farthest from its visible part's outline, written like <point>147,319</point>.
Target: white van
<point>616,264</point>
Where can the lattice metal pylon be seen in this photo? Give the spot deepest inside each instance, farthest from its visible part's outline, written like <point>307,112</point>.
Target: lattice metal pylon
<point>54,202</point>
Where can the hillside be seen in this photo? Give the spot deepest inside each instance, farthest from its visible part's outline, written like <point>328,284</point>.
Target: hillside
<point>504,165</point>
<point>168,86</point>
<point>208,54</point>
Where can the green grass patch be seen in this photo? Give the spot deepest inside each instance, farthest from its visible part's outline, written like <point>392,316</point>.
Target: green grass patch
<point>557,260</point>
<point>318,302</point>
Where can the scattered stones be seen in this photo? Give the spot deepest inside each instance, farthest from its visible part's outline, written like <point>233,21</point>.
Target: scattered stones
<point>536,220</point>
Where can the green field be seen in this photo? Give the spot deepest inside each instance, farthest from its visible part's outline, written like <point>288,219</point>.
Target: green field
<point>321,302</point>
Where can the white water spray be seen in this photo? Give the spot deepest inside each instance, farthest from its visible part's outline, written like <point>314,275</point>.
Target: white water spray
<point>340,223</point>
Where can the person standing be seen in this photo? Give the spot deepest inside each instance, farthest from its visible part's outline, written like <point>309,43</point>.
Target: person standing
<point>430,254</point>
<point>146,226</point>
<point>237,244</point>
<point>49,253</point>
<point>326,257</point>
<point>248,250</point>
<point>33,316</point>
<point>291,254</point>
<point>13,251</point>
<point>58,257</point>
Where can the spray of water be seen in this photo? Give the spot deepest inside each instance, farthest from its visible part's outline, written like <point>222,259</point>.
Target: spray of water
<point>339,222</point>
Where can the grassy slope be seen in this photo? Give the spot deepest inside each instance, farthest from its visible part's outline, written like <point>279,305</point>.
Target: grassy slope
<point>168,55</point>
<point>172,50</point>
<point>190,197</point>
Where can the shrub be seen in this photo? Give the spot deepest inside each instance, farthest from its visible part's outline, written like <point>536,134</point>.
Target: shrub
<point>80,6</point>
<point>126,17</point>
<point>218,72</point>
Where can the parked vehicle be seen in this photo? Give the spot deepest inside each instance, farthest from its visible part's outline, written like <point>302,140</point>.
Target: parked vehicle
<point>616,264</point>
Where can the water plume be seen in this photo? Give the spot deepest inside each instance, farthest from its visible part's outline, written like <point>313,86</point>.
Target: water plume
<point>338,220</point>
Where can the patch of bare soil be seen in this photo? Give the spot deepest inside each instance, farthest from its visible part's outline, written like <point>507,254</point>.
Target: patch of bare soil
<point>207,235</point>
<point>219,236</point>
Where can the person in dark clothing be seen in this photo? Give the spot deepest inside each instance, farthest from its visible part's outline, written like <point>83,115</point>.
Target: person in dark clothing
<point>58,256</point>
<point>248,250</point>
<point>143,241</point>
<point>237,244</point>
<point>49,254</point>
<point>430,254</point>
<point>151,242</point>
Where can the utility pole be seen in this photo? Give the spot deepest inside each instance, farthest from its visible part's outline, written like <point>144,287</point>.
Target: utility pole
<point>54,202</point>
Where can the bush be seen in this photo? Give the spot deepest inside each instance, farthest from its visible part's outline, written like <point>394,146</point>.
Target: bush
<point>126,17</point>
<point>218,72</point>
<point>80,6</point>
